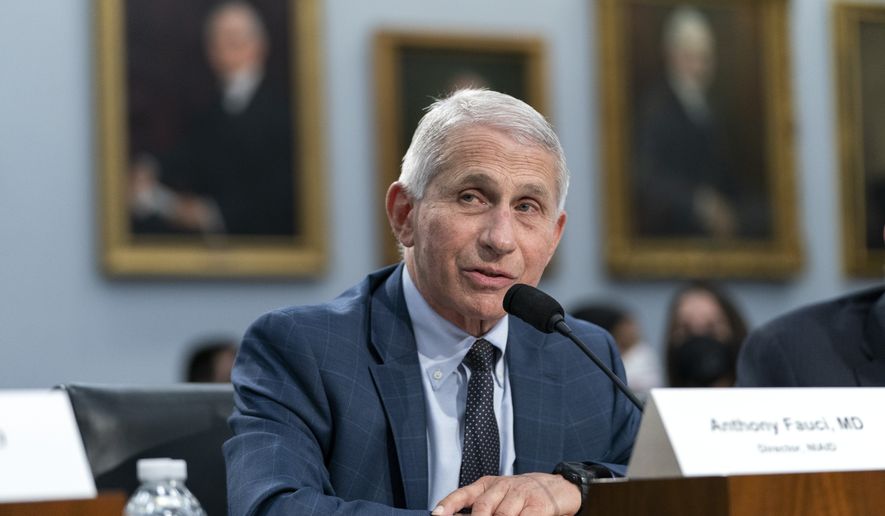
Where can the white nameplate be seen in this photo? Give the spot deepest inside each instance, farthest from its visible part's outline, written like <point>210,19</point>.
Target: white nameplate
<point>706,432</point>
<point>41,453</point>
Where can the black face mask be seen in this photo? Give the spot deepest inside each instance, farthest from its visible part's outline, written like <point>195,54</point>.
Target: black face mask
<point>702,360</point>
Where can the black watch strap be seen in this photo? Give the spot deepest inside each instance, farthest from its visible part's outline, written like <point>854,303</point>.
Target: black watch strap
<point>577,474</point>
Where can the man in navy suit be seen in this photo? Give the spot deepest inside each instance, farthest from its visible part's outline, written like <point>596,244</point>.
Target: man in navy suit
<point>835,343</point>
<point>357,406</point>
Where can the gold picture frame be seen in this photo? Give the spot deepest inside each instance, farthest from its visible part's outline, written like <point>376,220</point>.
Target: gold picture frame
<point>156,70</point>
<point>414,68</point>
<point>859,65</point>
<point>698,139</point>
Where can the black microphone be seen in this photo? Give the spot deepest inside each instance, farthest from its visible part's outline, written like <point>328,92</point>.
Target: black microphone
<point>545,314</point>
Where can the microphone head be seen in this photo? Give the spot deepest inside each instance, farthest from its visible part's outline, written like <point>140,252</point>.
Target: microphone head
<point>534,307</point>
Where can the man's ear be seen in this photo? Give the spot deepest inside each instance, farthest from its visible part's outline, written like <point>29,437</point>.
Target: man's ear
<point>399,211</point>
<point>560,226</point>
<point>557,234</point>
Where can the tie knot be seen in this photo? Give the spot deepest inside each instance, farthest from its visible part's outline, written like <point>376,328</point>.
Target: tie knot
<point>481,356</point>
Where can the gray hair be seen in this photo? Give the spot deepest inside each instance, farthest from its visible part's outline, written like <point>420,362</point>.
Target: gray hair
<point>686,25</point>
<point>467,107</point>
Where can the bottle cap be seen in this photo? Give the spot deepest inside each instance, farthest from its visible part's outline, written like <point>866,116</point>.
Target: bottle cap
<point>161,469</point>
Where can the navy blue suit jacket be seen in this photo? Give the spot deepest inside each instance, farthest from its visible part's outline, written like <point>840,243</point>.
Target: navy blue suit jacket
<point>837,343</point>
<point>330,413</point>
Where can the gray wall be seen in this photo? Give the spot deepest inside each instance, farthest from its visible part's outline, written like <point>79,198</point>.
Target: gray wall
<point>61,320</point>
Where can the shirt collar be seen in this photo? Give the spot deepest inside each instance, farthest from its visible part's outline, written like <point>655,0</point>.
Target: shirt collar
<point>239,90</point>
<point>442,345</point>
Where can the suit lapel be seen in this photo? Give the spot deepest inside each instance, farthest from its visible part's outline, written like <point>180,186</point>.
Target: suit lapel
<point>398,381</point>
<point>537,399</point>
<point>872,373</point>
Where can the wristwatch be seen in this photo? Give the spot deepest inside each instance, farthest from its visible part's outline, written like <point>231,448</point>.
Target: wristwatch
<point>581,474</point>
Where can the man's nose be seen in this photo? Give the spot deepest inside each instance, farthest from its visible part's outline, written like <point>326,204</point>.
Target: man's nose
<point>498,235</point>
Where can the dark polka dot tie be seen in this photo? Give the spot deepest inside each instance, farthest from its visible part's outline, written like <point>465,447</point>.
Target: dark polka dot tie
<point>480,453</point>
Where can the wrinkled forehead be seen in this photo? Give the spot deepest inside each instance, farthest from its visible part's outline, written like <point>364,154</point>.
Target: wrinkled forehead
<point>477,147</point>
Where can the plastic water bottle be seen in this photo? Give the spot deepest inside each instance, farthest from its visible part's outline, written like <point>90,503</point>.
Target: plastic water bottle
<point>162,491</point>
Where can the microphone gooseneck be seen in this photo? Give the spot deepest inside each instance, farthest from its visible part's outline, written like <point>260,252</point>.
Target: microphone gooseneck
<point>546,315</point>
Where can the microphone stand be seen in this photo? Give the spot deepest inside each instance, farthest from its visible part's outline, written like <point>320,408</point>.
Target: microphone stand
<point>561,327</point>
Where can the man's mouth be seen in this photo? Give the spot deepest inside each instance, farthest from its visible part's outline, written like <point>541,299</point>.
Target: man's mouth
<point>490,278</point>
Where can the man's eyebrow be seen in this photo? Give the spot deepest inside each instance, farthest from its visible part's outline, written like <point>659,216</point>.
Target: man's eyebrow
<point>476,178</point>
<point>535,190</point>
<point>481,179</point>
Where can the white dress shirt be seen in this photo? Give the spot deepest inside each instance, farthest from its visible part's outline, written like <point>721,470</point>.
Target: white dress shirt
<point>238,91</point>
<point>441,348</point>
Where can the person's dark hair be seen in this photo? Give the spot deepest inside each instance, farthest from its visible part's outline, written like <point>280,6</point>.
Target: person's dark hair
<point>686,367</point>
<point>201,362</point>
<point>602,315</point>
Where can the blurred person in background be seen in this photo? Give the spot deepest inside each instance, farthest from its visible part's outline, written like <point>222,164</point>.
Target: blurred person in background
<point>232,172</point>
<point>835,343</point>
<point>641,362</point>
<point>211,361</point>
<point>705,330</point>
<point>683,181</point>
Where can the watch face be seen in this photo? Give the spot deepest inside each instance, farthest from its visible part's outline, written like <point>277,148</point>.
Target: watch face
<point>574,477</point>
<point>570,473</point>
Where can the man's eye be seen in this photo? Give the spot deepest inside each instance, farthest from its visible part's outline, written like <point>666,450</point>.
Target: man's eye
<point>469,197</point>
<point>525,207</point>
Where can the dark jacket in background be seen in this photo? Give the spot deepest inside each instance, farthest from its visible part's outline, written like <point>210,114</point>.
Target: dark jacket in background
<point>837,343</point>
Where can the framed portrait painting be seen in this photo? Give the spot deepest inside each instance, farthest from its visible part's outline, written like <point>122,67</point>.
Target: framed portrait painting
<point>698,146</point>
<point>209,136</point>
<point>413,69</point>
<point>860,62</point>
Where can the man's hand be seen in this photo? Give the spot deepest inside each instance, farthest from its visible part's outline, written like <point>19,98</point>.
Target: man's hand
<point>715,212</point>
<point>531,494</point>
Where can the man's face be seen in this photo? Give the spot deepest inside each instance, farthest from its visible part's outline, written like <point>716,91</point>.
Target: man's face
<point>692,58</point>
<point>488,220</point>
<point>233,44</point>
